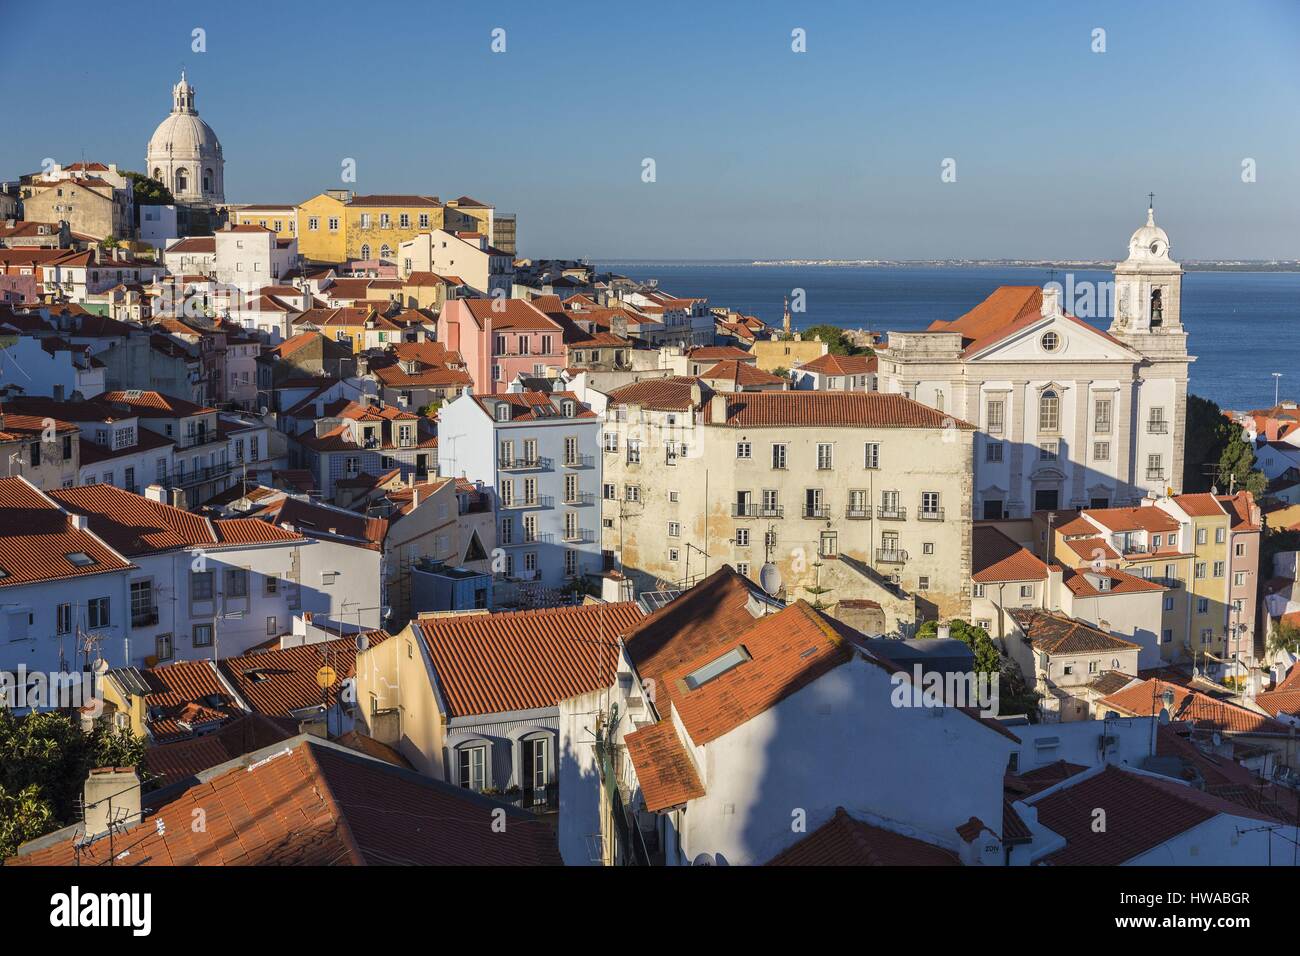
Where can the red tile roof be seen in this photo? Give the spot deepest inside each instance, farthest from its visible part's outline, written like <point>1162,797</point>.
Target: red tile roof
<point>664,769</point>
<point>832,364</point>
<point>995,557</point>
<point>661,394</point>
<point>315,520</point>
<point>1207,713</point>
<point>741,374</point>
<point>276,682</point>
<point>36,538</point>
<point>156,404</point>
<point>188,691</point>
<point>519,660</point>
<point>830,409</point>
<point>518,315</point>
<point>1142,518</point>
<point>1058,634</point>
<point>1079,581</point>
<point>1142,812</point>
<point>312,803</point>
<point>1203,505</point>
<point>173,762</point>
<point>844,841</point>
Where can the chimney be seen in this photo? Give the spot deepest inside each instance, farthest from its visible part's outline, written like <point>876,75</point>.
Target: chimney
<point>415,498</point>
<point>1052,588</point>
<point>718,409</point>
<point>1051,299</point>
<point>80,522</point>
<point>155,492</point>
<point>943,632</point>
<point>111,798</point>
<point>300,624</point>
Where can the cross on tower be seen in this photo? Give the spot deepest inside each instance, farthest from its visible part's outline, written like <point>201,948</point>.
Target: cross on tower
<point>1151,200</point>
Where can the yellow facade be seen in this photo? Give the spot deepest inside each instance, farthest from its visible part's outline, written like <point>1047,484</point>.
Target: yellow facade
<point>771,354</point>
<point>282,220</point>
<point>1209,590</point>
<point>322,227</point>
<point>378,223</point>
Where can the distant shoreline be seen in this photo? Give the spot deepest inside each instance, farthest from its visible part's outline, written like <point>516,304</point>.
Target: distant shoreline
<point>1107,265</point>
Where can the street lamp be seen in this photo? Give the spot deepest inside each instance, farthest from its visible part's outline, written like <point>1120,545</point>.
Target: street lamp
<point>1277,376</point>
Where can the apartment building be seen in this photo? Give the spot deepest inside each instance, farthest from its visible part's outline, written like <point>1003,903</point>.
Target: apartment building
<point>469,256</point>
<point>849,495</point>
<point>537,455</point>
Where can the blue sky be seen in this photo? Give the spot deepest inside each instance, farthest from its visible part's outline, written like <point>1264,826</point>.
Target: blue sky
<point>759,151</point>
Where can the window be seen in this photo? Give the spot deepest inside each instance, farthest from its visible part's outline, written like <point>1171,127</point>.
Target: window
<point>608,491</point>
<point>1101,416</point>
<point>1101,451</point>
<point>778,456</point>
<point>1049,341</point>
<point>63,619</point>
<point>611,441</point>
<point>674,555</point>
<point>1169,603</point>
<point>674,529</point>
<point>828,545</point>
<point>236,583</point>
<point>1200,569</point>
<point>742,568</point>
<point>473,768</point>
<point>927,547</point>
<point>1155,467</point>
<point>200,585</point>
<point>717,667</point>
<point>633,451</point>
<point>163,647</point>
<point>1202,605</point>
<point>872,455</point>
<point>1047,451</point>
<point>271,584</point>
<point>97,613</point>
<point>571,562</point>
<point>1220,535</point>
<point>1200,536</point>
<point>202,635</point>
<point>977,591</point>
<point>632,492</point>
<point>993,452</point>
<point>1049,411</point>
<point>825,456</point>
<point>993,417</point>
<point>1026,590</point>
<point>1167,636</point>
<point>1238,578</point>
<point>142,609</point>
<point>743,449</point>
<point>923,583</point>
<point>930,504</point>
<point>1155,541</point>
<point>1218,569</point>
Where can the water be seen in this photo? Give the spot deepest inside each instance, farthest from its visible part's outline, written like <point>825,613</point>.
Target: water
<point>1241,326</point>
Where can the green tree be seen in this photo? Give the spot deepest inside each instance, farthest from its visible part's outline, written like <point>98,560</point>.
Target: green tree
<point>836,341</point>
<point>431,409</point>
<point>1217,453</point>
<point>1285,637</point>
<point>44,760</point>
<point>1015,696</point>
<point>149,192</point>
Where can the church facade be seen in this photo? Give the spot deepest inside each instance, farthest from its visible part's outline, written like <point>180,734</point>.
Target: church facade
<point>1068,415</point>
<point>184,153</point>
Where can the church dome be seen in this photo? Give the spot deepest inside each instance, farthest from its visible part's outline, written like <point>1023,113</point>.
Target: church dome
<point>1149,241</point>
<point>184,153</point>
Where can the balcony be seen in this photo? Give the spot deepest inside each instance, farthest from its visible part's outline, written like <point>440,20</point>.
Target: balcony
<point>890,556</point>
<point>144,618</point>
<point>1157,428</point>
<point>932,514</point>
<point>1155,474</point>
<point>891,513</point>
<point>537,799</point>
<point>536,463</point>
<point>580,499</point>
<point>520,504</point>
<point>578,536</point>
<point>539,537</point>
<point>776,511</point>
<point>857,514</point>
<point>579,461</point>
<point>744,509</point>
<point>816,511</point>
<point>199,475</point>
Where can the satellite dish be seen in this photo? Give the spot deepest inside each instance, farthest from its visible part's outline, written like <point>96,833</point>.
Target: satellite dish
<point>362,642</point>
<point>1164,716</point>
<point>1217,739</point>
<point>704,859</point>
<point>769,578</point>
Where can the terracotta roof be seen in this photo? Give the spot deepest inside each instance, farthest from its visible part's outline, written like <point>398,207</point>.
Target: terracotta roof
<point>173,762</point>
<point>1142,812</point>
<point>1240,509</point>
<point>276,682</point>
<point>246,531</point>
<point>315,520</point>
<point>37,538</point>
<point>742,374</point>
<point>1007,310</point>
<point>134,525</point>
<point>1034,781</point>
<point>1199,505</point>
<point>664,769</point>
<point>518,315</point>
<point>1147,518</point>
<point>156,404</point>
<point>661,394</point>
<point>995,557</point>
<point>719,353</point>
<point>532,406</point>
<point>844,841</point>
<point>830,409</point>
<point>832,364</point>
<point>1092,548</point>
<point>185,691</point>
<point>1058,634</point>
<point>308,802</point>
<point>1080,582</point>
<point>1206,712</point>
<point>195,245</point>
<point>1110,682</point>
<point>519,660</point>
<point>394,200</point>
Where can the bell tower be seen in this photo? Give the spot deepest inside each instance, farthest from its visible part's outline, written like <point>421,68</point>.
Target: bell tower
<point>1149,292</point>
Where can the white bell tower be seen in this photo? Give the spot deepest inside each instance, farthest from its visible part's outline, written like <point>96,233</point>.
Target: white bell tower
<point>1149,292</point>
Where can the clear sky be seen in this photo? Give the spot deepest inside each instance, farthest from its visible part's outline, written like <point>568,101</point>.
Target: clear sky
<point>759,151</point>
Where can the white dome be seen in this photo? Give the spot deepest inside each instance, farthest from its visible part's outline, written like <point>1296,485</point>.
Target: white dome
<point>1149,241</point>
<point>185,154</point>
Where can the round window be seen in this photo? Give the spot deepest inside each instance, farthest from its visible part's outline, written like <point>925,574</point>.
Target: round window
<point>1049,341</point>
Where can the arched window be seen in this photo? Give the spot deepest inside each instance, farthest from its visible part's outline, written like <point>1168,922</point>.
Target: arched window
<point>365,251</point>
<point>1157,309</point>
<point>207,180</point>
<point>1049,412</point>
<point>157,174</point>
<point>385,252</point>
<point>181,181</point>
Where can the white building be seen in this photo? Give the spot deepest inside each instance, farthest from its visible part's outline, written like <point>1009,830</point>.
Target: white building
<point>49,367</point>
<point>184,154</point>
<point>1069,416</point>
<point>469,255</point>
<point>539,457</point>
<point>250,257</point>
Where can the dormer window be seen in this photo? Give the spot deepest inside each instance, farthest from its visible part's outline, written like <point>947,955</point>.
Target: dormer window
<point>567,409</point>
<point>503,412</point>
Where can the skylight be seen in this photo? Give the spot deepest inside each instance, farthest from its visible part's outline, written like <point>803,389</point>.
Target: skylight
<point>717,667</point>
<point>80,559</point>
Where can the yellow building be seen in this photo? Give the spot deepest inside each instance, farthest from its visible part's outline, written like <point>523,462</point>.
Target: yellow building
<point>377,225</point>
<point>322,226</point>
<point>282,220</point>
<point>771,354</point>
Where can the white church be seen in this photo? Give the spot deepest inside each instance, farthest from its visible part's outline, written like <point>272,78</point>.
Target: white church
<point>1068,416</point>
<point>184,153</point>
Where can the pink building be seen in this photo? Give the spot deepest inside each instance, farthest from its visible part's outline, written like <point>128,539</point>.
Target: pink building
<point>501,338</point>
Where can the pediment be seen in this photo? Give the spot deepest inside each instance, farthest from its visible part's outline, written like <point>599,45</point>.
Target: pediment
<point>1076,341</point>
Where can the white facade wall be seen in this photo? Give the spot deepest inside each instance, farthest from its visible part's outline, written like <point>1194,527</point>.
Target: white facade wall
<point>28,366</point>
